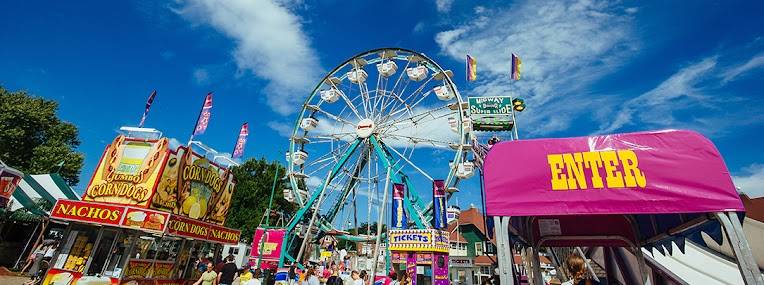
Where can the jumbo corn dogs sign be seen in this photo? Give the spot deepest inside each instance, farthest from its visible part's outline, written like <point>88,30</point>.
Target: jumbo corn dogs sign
<point>636,173</point>
<point>147,173</point>
<point>127,172</point>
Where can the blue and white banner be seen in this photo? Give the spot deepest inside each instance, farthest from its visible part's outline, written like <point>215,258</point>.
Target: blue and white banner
<point>400,221</point>
<point>439,220</point>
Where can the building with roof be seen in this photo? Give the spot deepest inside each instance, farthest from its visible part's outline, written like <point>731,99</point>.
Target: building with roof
<point>471,254</point>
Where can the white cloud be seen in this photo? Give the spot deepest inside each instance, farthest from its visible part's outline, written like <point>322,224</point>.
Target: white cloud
<point>419,27</point>
<point>656,106</point>
<point>201,76</point>
<point>696,87</point>
<point>564,47</point>
<point>283,129</point>
<point>631,10</point>
<point>753,63</point>
<point>270,43</point>
<point>752,183</point>
<point>444,6</point>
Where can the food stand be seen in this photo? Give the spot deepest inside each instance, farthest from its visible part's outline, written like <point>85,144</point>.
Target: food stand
<point>9,179</point>
<point>422,253</point>
<point>144,218</point>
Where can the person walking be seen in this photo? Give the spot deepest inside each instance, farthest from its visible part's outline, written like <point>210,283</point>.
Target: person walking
<point>228,272</point>
<point>208,277</point>
<point>311,278</point>
<point>576,266</point>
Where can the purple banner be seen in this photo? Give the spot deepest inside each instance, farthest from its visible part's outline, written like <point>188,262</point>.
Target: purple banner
<point>636,173</point>
<point>411,266</point>
<point>439,220</point>
<point>399,219</point>
<point>440,269</point>
<point>238,150</point>
<point>204,116</point>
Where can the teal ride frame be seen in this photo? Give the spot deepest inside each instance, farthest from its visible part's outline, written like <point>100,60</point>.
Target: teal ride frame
<point>411,201</point>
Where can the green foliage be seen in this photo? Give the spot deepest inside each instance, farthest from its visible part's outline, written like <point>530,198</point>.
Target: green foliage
<point>34,140</point>
<point>362,229</point>
<point>253,189</point>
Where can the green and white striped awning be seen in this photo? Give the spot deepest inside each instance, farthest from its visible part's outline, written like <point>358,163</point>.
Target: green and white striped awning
<point>48,187</point>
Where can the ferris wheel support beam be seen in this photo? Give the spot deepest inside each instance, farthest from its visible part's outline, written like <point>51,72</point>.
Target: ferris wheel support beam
<point>399,177</point>
<point>301,212</point>
<point>346,192</point>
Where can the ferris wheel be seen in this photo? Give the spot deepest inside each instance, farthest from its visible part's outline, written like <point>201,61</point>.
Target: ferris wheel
<point>384,116</point>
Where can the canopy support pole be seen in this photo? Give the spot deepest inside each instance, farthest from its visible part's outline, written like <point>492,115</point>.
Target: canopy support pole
<point>503,250</point>
<point>536,265</point>
<point>643,275</point>
<point>740,247</point>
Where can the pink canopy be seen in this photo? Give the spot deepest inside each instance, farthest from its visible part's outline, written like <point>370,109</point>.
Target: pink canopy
<point>658,172</point>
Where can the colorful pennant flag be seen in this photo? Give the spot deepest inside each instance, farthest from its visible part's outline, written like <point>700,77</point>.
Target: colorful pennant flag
<point>471,68</point>
<point>204,115</point>
<point>238,150</point>
<point>439,220</point>
<point>148,106</point>
<point>516,67</point>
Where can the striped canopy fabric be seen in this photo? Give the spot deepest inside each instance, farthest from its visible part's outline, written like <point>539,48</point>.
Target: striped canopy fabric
<point>47,187</point>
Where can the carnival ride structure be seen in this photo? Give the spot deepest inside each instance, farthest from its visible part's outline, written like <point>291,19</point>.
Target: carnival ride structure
<point>382,116</point>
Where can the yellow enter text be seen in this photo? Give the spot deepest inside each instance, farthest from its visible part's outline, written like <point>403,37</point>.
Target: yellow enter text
<point>595,169</point>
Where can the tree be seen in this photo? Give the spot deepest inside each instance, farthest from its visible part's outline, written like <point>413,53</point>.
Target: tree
<point>34,140</point>
<point>254,180</point>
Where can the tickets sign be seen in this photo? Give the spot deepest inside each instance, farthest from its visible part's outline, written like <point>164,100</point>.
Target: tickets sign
<point>127,172</point>
<point>428,240</point>
<point>81,211</point>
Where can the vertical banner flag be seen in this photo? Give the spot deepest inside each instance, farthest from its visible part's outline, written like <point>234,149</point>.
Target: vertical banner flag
<point>471,68</point>
<point>148,106</point>
<point>516,66</point>
<point>399,214</point>
<point>439,204</point>
<point>440,268</point>
<point>238,150</point>
<point>204,115</point>
<point>411,266</point>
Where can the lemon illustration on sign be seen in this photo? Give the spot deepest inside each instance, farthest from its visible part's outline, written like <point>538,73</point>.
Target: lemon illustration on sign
<point>195,205</point>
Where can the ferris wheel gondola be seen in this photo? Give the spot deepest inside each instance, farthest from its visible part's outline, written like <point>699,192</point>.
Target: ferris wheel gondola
<point>385,109</point>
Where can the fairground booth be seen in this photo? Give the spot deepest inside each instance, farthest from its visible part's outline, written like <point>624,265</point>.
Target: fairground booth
<point>149,213</point>
<point>420,253</point>
<point>621,194</point>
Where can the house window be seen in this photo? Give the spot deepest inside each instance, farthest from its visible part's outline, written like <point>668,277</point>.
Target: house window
<point>478,248</point>
<point>462,246</point>
<point>485,270</point>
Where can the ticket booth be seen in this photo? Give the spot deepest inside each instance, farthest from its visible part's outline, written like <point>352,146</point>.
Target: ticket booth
<point>422,254</point>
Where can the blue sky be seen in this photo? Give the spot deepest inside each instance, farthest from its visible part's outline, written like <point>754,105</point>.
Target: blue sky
<point>590,67</point>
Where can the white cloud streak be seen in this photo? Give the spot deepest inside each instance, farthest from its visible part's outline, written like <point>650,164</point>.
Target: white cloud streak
<point>753,63</point>
<point>565,47</point>
<point>270,43</point>
<point>678,90</point>
<point>752,182</point>
<point>444,6</point>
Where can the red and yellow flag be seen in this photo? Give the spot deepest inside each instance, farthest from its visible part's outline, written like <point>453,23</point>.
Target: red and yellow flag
<point>516,66</point>
<point>471,68</point>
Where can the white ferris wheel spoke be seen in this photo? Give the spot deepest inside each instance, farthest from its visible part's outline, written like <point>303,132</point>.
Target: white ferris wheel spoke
<point>411,163</point>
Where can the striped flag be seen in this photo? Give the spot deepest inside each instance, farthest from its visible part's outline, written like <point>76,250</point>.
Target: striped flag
<point>204,115</point>
<point>148,106</point>
<point>238,150</point>
<point>471,68</point>
<point>516,67</point>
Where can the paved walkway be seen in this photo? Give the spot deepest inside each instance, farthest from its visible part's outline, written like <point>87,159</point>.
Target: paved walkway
<point>13,280</point>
